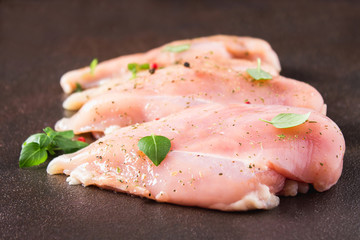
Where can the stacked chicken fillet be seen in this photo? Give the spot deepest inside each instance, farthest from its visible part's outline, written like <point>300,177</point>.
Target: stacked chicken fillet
<point>201,97</point>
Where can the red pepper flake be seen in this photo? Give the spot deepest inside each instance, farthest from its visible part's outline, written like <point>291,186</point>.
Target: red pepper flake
<point>154,66</point>
<point>247,102</point>
<point>81,139</point>
<point>157,118</point>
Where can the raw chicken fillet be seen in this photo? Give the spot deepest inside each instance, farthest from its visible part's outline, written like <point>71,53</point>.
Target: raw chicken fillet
<point>204,101</point>
<point>222,157</point>
<point>220,46</point>
<point>176,88</point>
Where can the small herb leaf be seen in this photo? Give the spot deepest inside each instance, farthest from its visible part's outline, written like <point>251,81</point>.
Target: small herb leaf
<point>40,138</point>
<point>93,65</point>
<point>67,145</point>
<point>51,133</point>
<point>144,66</point>
<point>132,67</point>
<point>288,120</point>
<point>155,147</point>
<point>135,68</point>
<point>32,154</point>
<point>258,73</point>
<point>177,48</point>
<point>78,87</point>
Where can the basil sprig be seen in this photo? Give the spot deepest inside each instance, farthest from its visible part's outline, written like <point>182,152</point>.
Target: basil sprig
<point>288,120</point>
<point>258,73</point>
<point>35,149</point>
<point>155,147</point>
<point>177,48</point>
<point>135,68</point>
<point>93,65</point>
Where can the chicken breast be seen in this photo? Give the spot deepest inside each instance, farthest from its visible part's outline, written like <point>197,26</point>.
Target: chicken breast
<point>175,88</point>
<point>227,68</point>
<point>219,47</point>
<point>222,157</point>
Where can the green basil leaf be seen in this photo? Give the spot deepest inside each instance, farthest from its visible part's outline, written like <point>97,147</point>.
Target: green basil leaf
<point>93,65</point>
<point>135,68</point>
<point>177,48</point>
<point>40,138</point>
<point>132,67</point>
<point>78,87</point>
<point>32,154</point>
<point>51,133</point>
<point>155,147</point>
<point>144,66</point>
<point>66,134</point>
<point>50,149</point>
<point>288,120</point>
<point>67,145</point>
<point>258,73</point>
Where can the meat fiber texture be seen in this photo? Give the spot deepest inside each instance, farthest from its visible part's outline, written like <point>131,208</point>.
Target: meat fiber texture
<point>222,156</point>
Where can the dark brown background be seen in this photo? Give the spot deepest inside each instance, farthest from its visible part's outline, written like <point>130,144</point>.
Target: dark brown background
<point>317,42</point>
